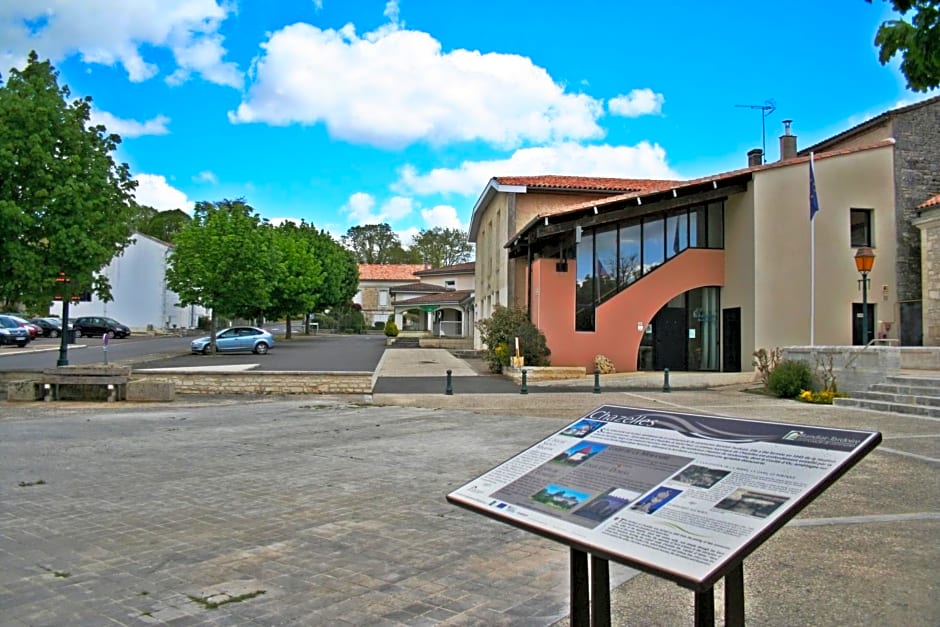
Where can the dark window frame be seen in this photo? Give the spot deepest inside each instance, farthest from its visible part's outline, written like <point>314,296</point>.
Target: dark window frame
<point>867,237</point>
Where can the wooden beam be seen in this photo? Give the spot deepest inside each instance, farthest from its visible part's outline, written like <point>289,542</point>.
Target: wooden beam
<point>633,211</point>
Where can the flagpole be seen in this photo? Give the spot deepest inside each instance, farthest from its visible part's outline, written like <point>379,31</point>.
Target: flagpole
<point>812,253</point>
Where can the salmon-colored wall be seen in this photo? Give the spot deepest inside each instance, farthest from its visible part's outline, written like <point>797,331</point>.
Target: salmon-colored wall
<point>616,335</point>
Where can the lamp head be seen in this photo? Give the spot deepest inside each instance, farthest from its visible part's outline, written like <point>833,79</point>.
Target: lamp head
<point>864,259</point>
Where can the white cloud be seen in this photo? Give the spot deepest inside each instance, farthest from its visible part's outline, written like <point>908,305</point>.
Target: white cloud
<point>114,33</point>
<point>153,191</point>
<point>131,128</point>
<point>644,160</point>
<point>206,176</point>
<point>638,102</point>
<point>443,216</point>
<point>394,87</point>
<point>361,209</point>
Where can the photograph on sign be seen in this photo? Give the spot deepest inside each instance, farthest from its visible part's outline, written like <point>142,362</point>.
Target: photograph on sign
<point>677,494</point>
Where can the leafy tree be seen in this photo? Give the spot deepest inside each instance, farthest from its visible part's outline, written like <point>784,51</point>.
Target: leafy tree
<point>163,225</point>
<point>299,274</point>
<point>918,42</point>
<point>499,332</point>
<point>65,205</point>
<point>440,247</point>
<point>222,260</point>
<point>374,243</point>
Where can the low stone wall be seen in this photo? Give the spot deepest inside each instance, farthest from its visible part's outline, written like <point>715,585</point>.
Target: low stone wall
<point>920,358</point>
<point>231,383</point>
<point>856,368</point>
<point>545,373</point>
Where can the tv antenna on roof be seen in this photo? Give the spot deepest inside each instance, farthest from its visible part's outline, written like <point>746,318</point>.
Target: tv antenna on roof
<point>766,109</point>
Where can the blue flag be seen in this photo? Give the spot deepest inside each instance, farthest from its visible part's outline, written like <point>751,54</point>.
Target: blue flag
<point>813,199</point>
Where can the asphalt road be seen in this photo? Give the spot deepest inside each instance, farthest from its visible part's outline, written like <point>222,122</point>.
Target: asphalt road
<point>345,353</point>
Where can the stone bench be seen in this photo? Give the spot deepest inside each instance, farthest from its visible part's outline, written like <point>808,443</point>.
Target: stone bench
<point>113,378</point>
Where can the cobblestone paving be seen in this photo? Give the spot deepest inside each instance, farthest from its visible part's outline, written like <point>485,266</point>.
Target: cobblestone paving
<point>295,512</point>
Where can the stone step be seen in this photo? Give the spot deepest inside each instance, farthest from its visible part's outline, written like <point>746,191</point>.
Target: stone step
<point>406,342</point>
<point>921,381</point>
<point>905,389</point>
<point>889,406</point>
<point>893,397</point>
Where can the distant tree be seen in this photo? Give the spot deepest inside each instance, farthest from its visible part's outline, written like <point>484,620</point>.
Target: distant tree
<point>65,205</point>
<point>918,42</point>
<point>439,247</point>
<point>163,225</point>
<point>374,243</point>
<point>222,260</point>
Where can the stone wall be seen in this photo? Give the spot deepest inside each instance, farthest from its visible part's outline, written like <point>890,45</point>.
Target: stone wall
<point>233,383</point>
<point>929,225</point>
<point>916,179</point>
<point>856,368</point>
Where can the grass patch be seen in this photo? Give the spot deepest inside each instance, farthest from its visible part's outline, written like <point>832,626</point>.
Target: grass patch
<point>27,484</point>
<point>211,605</point>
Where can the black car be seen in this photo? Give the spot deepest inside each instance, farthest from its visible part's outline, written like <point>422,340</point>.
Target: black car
<point>91,326</point>
<point>12,333</point>
<point>51,327</point>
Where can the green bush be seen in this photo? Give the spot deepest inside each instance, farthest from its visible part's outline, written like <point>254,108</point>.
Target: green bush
<point>790,378</point>
<point>391,329</point>
<point>378,325</point>
<point>499,332</point>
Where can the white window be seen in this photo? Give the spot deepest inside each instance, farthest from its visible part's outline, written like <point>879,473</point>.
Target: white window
<point>383,298</point>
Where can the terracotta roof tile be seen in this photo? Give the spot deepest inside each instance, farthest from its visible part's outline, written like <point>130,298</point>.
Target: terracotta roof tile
<point>447,298</point>
<point>389,271</point>
<point>418,287</point>
<point>930,202</point>
<point>460,268</point>
<point>586,183</point>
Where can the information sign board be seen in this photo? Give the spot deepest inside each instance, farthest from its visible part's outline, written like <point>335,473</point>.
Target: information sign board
<point>683,496</point>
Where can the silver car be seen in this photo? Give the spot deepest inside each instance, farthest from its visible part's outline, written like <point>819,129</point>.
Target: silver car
<point>236,339</point>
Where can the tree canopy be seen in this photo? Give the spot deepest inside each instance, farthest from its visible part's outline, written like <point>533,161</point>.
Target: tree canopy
<point>440,247</point>
<point>437,247</point>
<point>222,260</point>
<point>917,41</point>
<point>163,225</point>
<point>65,205</point>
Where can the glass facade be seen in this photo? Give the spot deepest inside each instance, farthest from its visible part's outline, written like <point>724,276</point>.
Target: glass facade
<point>611,257</point>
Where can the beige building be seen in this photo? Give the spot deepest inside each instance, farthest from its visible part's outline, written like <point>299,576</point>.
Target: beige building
<point>696,275</point>
<point>375,284</point>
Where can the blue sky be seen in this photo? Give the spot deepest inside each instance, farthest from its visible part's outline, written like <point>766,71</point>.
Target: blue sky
<point>356,112</point>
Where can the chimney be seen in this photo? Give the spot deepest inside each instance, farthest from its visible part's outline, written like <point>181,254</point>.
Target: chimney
<point>755,157</point>
<point>787,142</point>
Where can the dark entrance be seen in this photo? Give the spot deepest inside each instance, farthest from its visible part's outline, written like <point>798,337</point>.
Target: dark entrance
<point>857,339</point>
<point>731,340</point>
<point>669,338</point>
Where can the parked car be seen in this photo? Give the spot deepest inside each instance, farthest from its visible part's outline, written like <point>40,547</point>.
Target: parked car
<point>33,330</point>
<point>91,326</point>
<point>51,327</point>
<point>236,339</point>
<point>12,333</point>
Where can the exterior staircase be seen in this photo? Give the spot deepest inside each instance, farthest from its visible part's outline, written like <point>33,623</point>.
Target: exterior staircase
<point>915,395</point>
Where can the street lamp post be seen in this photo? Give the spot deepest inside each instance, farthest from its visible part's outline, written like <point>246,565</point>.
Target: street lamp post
<point>864,260</point>
<point>64,341</point>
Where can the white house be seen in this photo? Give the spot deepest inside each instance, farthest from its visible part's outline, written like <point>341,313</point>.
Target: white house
<point>141,299</point>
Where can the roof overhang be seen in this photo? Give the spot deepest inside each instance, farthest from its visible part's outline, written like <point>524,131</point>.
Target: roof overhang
<point>624,206</point>
<point>492,188</point>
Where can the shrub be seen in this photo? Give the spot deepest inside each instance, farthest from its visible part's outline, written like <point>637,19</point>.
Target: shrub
<point>391,329</point>
<point>765,362</point>
<point>604,365</point>
<point>822,398</point>
<point>499,332</point>
<point>378,325</point>
<point>789,378</point>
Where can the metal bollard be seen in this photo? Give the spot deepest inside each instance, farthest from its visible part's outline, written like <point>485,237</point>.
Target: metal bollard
<point>597,381</point>
<point>666,380</point>
<point>449,390</point>
<point>524,389</point>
